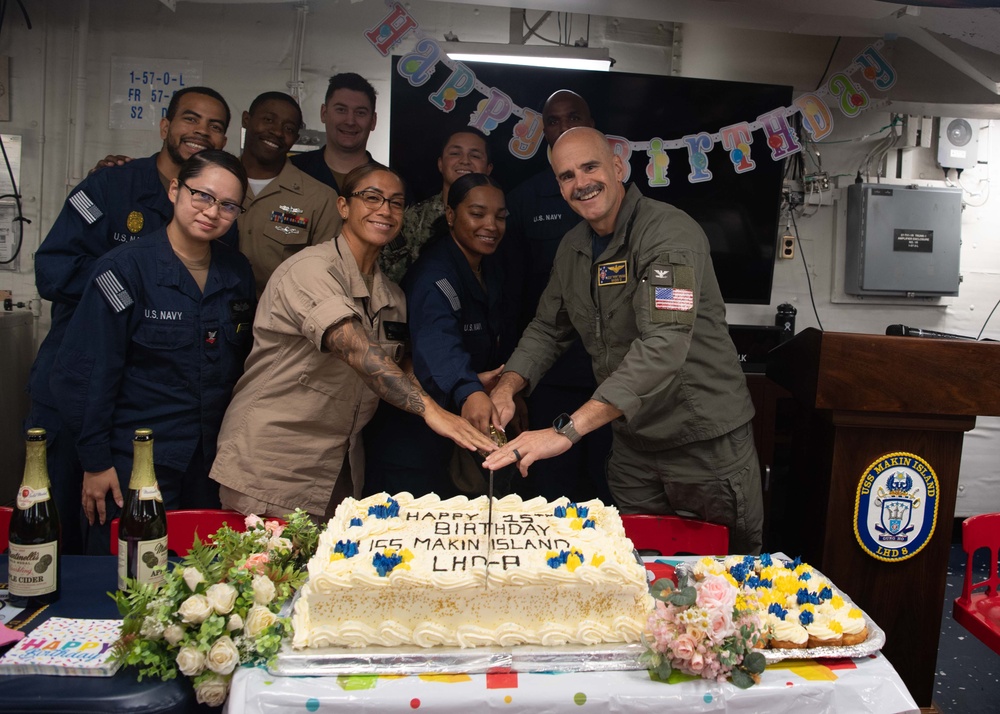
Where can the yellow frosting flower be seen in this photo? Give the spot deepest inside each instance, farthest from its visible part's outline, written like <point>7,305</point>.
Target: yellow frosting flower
<point>597,560</point>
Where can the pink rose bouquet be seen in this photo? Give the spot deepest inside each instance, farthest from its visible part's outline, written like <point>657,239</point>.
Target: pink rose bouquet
<point>706,628</point>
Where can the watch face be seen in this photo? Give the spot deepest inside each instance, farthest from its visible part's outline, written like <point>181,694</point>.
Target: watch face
<point>562,421</point>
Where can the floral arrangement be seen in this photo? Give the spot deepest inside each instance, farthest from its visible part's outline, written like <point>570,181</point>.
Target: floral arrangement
<point>706,628</point>
<point>218,608</point>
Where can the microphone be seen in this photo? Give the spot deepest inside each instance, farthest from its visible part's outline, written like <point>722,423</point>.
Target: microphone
<point>904,331</point>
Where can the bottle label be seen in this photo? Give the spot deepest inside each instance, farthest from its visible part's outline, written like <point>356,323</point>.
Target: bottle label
<point>150,493</point>
<point>28,497</point>
<point>149,554</point>
<point>33,569</point>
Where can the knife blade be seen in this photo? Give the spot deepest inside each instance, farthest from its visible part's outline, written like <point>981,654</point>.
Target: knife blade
<point>489,529</point>
<point>499,438</point>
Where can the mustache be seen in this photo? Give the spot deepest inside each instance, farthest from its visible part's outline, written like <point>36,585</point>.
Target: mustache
<point>579,193</point>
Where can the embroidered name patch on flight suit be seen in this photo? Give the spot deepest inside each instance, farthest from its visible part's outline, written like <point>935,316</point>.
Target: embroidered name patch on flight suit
<point>671,298</point>
<point>613,273</point>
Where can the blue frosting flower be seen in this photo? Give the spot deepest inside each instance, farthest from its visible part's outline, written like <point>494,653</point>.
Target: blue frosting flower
<point>589,523</point>
<point>805,617</point>
<point>385,564</point>
<point>389,509</point>
<point>739,572</point>
<point>753,582</point>
<point>805,576</point>
<point>766,583</point>
<point>778,610</point>
<point>571,510</point>
<point>356,522</point>
<point>348,548</point>
<point>826,593</point>
<point>765,560</point>
<point>803,596</point>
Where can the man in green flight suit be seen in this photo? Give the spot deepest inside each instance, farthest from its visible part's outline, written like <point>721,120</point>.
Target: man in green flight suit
<point>635,281</point>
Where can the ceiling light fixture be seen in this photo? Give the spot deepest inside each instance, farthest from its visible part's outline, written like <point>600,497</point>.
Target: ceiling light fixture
<point>558,56</point>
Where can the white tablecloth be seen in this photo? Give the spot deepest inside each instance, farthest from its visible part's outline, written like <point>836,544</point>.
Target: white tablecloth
<point>853,686</point>
<point>867,684</point>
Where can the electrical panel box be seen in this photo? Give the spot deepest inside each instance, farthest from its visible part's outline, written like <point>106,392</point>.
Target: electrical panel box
<point>903,241</point>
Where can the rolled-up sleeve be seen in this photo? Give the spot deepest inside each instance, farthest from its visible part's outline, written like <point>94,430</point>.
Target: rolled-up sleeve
<point>309,299</point>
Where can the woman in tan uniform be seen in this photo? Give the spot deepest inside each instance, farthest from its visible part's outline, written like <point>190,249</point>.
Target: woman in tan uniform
<point>329,339</point>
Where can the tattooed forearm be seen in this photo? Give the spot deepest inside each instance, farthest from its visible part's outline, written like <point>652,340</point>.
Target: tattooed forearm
<point>351,343</point>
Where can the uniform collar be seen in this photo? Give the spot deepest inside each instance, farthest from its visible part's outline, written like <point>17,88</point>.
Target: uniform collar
<point>380,295</point>
<point>582,233</point>
<point>169,269</point>
<point>151,191</point>
<point>466,274</point>
<point>288,180</point>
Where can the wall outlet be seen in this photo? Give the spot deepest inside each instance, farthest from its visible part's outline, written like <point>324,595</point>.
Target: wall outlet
<point>786,249</point>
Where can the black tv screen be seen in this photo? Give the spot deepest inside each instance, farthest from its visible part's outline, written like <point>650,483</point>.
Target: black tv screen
<point>739,211</point>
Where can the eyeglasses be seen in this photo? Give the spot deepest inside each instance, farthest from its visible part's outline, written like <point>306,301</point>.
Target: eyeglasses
<point>203,201</point>
<point>374,200</point>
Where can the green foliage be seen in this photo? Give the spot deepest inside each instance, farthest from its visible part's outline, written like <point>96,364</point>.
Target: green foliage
<point>154,630</point>
<point>754,663</point>
<point>683,597</point>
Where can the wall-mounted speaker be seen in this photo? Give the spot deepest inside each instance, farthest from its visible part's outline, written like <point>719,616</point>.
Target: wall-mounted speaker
<point>958,142</point>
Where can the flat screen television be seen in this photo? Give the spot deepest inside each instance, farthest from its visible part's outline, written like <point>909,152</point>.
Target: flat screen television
<point>739,212</point>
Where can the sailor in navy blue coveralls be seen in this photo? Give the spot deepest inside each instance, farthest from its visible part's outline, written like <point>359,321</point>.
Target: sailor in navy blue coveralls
<point>147,348</point>
<point>456,331</point>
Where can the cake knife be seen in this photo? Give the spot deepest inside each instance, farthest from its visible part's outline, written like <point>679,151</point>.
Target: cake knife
<point>499,438</point>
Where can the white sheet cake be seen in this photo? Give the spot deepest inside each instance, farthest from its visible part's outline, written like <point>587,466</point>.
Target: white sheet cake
<point>404,570</point>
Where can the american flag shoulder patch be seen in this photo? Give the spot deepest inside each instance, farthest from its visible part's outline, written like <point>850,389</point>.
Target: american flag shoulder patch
<point>85,207</point>
<point>449,292</point>
<point>112,290</point>
<point>673,299</point>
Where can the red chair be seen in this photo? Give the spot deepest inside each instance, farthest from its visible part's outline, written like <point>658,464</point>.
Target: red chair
<point>182,524</point>
<point>673,535</point>
<point>979,612</point>
<point>6,513</point>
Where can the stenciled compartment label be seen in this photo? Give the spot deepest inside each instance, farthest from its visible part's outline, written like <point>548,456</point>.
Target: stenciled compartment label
<point>895,512</point>
<point>33,569</point>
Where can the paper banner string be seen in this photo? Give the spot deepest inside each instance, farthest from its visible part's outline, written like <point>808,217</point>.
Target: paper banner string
<point>496,107</point>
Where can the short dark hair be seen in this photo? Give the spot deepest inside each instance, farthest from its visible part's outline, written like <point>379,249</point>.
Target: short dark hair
<point>350,80</point>
<point>463,184</point>
<point>193,167</point>
<point>357,175</point>
<point>275,96</point>
<point>207,91</point>
<point>468,130</point>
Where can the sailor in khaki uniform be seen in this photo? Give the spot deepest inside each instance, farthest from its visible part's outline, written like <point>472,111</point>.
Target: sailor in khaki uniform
<point>286,210</point>
<point>328,340</point>
<point>635,282</point>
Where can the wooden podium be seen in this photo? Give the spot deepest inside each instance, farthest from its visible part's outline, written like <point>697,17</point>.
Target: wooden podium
<point>866,396</point>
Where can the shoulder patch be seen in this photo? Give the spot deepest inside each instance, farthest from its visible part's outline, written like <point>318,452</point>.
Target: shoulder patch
<point>449,292</point>
<point>85,207</point>
<point>117,296</point>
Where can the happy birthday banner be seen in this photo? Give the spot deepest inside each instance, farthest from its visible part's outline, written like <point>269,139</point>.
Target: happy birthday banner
<point>496,107</point>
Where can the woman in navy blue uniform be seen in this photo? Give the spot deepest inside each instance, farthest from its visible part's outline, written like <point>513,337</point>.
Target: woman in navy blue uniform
<point>454,293</point>
<point>159,340</point>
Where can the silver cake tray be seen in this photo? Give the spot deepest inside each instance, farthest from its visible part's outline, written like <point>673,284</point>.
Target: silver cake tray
<point>411,659</point>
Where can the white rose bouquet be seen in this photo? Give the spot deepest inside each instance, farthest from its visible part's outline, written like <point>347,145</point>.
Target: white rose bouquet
<point>217,608</point>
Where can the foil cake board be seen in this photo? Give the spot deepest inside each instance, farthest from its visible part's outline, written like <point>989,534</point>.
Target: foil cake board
<point>411,659</point>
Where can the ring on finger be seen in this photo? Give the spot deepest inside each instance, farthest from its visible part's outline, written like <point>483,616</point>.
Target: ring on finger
<point>517,455</point>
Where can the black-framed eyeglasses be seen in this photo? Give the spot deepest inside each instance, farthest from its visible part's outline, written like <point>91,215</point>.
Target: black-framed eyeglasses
<point>203,201</point>
<point>375,200</point>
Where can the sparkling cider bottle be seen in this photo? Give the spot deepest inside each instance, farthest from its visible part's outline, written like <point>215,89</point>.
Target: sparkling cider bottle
<point>142,529</point>
<point>34,576</point>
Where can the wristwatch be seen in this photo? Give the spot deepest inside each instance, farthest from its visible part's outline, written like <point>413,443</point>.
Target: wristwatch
<point>564,425</point>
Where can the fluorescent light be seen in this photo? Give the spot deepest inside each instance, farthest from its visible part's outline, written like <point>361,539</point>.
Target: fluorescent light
<point>592,58</point>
